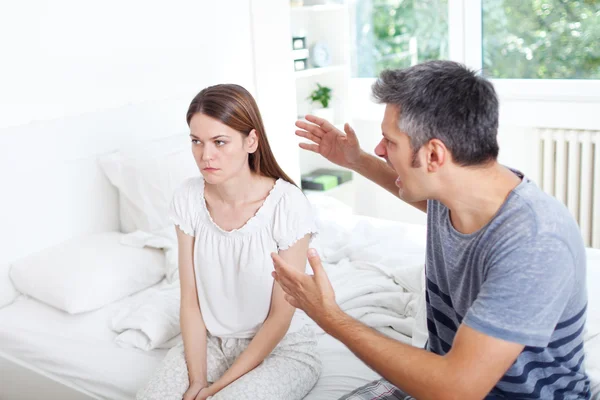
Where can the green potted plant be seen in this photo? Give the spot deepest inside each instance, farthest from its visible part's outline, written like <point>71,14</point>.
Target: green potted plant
<point>322,97</point>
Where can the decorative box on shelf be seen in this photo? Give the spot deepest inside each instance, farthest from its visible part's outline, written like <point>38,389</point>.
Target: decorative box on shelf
<point>323,179</point>
<point>300,59</point>
<point>298,42</point>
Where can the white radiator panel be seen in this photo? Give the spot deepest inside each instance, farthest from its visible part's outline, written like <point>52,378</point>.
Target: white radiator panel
<point>569,169</point>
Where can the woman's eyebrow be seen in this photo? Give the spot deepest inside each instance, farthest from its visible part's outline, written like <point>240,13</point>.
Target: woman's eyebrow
<point>212,138</point>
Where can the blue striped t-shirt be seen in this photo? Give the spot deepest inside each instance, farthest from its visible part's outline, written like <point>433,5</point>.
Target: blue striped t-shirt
<point>521,278</point>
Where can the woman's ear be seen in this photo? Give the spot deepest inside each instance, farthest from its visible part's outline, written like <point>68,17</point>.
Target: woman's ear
<point>252,141</point>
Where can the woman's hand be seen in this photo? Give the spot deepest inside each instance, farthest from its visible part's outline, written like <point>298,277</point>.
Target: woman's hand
<point>194,390</point>
<point>204,394</point>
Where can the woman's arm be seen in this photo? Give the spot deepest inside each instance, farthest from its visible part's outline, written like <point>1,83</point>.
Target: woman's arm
<point>193,329</point>
<point>275,326</point>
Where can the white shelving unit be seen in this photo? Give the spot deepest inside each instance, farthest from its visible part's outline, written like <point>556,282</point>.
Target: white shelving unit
<point>327,23</point>
<point>314,72</point>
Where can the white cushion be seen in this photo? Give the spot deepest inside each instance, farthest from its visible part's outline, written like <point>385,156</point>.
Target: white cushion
<point>88,272</point>
<point>146,177</point>
<point>8,293</point>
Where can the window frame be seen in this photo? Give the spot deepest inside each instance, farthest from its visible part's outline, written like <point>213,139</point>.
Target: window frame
<point>465,42</point>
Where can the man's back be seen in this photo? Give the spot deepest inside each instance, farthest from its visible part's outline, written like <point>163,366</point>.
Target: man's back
<point>521,278</point>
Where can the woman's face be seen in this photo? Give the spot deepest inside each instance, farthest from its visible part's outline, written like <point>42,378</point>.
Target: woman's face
<point>220,152</point>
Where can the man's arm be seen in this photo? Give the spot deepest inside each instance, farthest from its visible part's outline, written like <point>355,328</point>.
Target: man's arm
<point>343,149</point>
<point>470,370</point>
<point>375,169</point>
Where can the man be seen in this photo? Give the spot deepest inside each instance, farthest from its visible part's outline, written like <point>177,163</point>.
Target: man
<point>505,266</point>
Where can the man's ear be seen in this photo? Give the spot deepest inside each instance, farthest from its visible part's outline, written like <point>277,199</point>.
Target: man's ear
<point>437,154</point>
<point>252,141</point>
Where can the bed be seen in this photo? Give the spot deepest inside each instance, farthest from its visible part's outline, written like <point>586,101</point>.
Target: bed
<point>80,351</point>
<point>59,349</point>
<point>78,356</point>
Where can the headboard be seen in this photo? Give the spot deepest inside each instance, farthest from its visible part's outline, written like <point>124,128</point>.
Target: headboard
<point>52,186</point>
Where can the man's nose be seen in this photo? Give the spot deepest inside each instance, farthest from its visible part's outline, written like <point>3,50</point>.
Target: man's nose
<point>380,149</point>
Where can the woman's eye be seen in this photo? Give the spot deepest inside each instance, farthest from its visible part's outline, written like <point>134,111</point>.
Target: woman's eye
<point>195,141</point>
<point>219,143</point>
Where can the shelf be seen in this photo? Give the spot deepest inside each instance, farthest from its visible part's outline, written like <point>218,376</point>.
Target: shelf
<point>319,7</point>
<point>306,73</point>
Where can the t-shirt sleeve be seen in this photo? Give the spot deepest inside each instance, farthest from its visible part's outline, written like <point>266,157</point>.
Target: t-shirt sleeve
<point>181,210</point>
<point>524,293</point>
<point>294,218</point>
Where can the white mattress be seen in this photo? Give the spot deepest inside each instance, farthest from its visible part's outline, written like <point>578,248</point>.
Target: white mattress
<point>80,350</point>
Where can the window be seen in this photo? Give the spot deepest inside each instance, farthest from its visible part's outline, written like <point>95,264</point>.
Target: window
<point>533,50</point>
<point>398,34</point>
<point>541,39</point>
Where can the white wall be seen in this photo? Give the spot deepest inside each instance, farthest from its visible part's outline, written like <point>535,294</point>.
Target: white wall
<point>66,57</point>
<point>274,74</point>
<point>80,79</point>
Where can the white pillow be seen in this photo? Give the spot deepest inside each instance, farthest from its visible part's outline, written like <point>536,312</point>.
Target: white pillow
<point>88,272</point>
<point>8,292</point>
<point>146,177</point>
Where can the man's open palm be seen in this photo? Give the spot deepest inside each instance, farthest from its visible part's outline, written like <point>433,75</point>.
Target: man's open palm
<point>328,141</point>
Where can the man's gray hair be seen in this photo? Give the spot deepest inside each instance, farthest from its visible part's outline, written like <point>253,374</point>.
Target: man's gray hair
<point>444,100</point>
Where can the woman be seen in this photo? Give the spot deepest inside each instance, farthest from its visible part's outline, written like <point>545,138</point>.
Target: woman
<point>241,339</point>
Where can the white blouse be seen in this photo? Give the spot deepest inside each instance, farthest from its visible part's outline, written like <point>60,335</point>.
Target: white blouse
<point>233,268</point>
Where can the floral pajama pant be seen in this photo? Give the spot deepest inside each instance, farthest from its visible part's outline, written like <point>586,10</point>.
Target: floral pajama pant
<point>288,373</point>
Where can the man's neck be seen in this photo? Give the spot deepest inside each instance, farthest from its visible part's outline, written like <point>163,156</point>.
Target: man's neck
<point>475,195</point>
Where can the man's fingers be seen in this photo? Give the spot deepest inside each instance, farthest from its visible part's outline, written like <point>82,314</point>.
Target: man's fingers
<point>309,136</point>
<point>350,134</point>
<point>291,300</point>
<point>310,127</point>
<point>323,123</point>
<point>315,262</point>
<point>286,275</point>
<point>310,147</point>
<point>284,283</point>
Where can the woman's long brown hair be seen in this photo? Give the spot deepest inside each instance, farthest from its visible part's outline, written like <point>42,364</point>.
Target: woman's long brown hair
<point>235,107</point>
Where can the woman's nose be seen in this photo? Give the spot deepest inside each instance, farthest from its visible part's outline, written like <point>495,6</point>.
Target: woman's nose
<point>207,153</point>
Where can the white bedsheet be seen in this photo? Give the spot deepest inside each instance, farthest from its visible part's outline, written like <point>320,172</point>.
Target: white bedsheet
<point>81,349</point>
<point>77,348</point>
<point>375,267</point>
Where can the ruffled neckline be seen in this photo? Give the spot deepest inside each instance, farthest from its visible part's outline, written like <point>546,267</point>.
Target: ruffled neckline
<point>267,204</point>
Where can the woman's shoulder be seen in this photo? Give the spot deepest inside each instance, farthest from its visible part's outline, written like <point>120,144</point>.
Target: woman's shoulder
<point>291,197</point>
<point>288,190</point>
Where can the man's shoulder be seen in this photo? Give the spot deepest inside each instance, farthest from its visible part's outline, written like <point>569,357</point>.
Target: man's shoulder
<point>529,218</point>
<point>532,212</point>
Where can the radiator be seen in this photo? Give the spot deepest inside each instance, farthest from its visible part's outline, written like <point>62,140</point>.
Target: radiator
<point>568,168</point>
